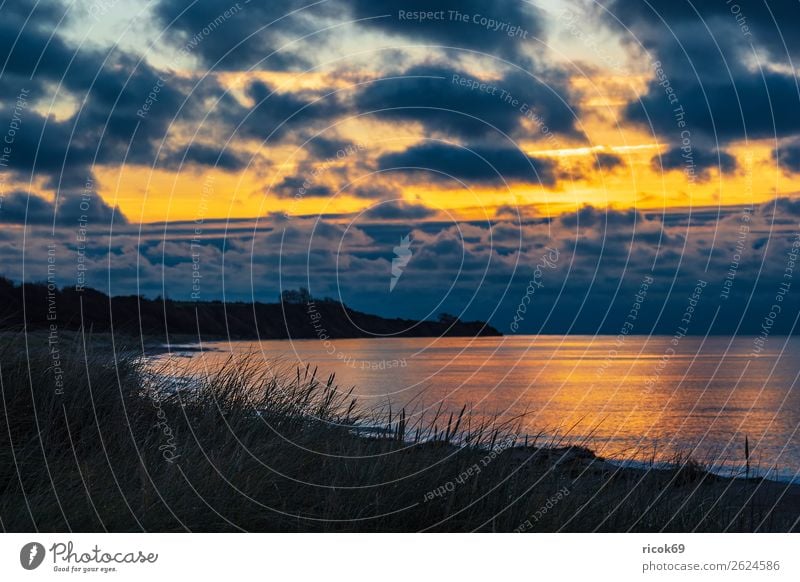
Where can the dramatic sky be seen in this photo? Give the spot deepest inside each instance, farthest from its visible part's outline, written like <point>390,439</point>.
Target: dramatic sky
<point>231,150</point>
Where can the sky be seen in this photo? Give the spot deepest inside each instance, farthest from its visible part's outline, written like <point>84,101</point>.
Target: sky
<point>409,157</point>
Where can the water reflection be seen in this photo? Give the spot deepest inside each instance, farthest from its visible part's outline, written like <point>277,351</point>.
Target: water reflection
<point>649,398</point>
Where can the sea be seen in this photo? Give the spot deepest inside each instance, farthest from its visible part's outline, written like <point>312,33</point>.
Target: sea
<point>632,400</point>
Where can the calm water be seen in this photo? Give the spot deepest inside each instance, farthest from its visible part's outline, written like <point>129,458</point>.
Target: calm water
<point>641,400</point>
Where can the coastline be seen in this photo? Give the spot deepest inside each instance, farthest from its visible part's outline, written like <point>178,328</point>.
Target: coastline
<point>297,316</point>
<point>281,450</point>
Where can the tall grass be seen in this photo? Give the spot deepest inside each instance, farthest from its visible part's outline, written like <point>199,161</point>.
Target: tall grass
<point>268,448</point>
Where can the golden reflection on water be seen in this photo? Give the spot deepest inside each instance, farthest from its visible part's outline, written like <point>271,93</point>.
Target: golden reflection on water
<point>644,397</point>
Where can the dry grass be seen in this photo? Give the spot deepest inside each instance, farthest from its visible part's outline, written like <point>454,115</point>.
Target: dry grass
<point>275,449</point>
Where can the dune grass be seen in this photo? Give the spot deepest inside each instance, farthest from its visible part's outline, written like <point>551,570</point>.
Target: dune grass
<point>258,448</point>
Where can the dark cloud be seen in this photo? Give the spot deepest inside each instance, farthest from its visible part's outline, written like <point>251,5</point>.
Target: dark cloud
<point>607,161</point>
<point>707,58</point>
<point>228,35</point>
<point>399,210</point>
<point>276,115</point>
<point>788,156</point>
<point>239,35</point>
<point>125,107</point>
<point>520,23</point>
<point>105,130</point>
<point>32,54</point>
<point>328,148</point>
<point>698,161</point>
<point>781,208</point>
<point>770,25</point>
<point>375,191</point>
<point>204,155</point>
<point>440,99</point>
<point>45,147</point>
<point>775,25</point>
<point>754,106</point>
<point>26,208</point>
<point>298,186</point>
<point>590,217</point>
<point>481,164</point>
<point>603,257</point>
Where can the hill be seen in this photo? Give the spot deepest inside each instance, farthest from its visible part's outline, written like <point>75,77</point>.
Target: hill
<point>297,316</point>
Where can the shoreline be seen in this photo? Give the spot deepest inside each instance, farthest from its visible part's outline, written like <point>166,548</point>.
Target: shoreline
<point>280,450</point>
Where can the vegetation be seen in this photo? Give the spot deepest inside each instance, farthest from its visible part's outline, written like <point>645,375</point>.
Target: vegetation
<point>298,315</point>
<point>122,448</point>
